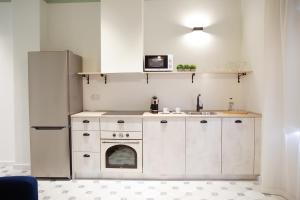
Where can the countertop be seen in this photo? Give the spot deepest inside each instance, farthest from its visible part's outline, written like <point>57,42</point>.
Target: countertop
<point>218,114</point>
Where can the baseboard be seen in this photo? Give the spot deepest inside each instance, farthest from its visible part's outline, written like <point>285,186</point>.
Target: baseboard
<point>21,166</point>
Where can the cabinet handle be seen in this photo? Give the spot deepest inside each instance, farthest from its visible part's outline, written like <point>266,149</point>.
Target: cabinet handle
<point>238,121</point>
<point>203,122</point>
<point>85,121</point>
<point>163,121</point>
<point>86,155</point>
<point>86,134</point>
<point>121,121</point>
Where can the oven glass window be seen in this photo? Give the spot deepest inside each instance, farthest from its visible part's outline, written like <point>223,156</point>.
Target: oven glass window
<point>121,156</point>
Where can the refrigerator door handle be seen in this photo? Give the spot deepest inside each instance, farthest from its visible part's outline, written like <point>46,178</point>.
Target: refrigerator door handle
<point>48,127</point>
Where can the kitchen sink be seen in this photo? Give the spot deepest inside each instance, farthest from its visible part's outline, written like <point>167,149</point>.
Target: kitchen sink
<point>203,113</point>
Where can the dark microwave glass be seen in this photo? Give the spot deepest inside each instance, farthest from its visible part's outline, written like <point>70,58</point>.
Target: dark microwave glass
<point>156,62</point>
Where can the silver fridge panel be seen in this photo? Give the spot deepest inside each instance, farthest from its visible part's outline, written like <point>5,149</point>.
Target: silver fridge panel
<point>50,152</point>
<point>48,88</point>
<point>75,84</point>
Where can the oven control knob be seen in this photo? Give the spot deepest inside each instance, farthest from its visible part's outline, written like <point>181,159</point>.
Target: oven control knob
<point>114,135</point>
<point>127,134</point>
<point>121,135</point>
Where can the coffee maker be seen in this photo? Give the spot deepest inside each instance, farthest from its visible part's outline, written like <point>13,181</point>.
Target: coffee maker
<point>154,105</point>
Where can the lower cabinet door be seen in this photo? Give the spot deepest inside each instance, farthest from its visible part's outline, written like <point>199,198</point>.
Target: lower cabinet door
<point>86,164</point>
<point>164,147</point>
<point>203,146</point>
<point>238,146</point>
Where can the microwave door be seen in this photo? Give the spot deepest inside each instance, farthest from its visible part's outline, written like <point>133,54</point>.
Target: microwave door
<point>156,63</point>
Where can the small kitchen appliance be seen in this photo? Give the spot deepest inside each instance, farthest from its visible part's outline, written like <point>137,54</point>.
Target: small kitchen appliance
<point>158,63</point>
<point>154,105</point>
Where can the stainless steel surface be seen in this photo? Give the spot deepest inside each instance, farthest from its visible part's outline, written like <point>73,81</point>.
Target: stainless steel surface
<point>124,113</point>
<point>48,88</point>
<point>75,84</point>
<point>50,153</point>
<point>203,113</point>
<point>55,92</point>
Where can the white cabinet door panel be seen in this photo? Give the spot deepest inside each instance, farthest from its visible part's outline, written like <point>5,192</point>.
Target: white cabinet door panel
<point>86,164</point>
<point>238,146</point>
<point>121,36</point>
<point>203,146</point>
<point>164,147</point>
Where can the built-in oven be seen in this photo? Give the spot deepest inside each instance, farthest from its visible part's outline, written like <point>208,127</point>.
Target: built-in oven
<point>121,152</point>
<point>158,63</point>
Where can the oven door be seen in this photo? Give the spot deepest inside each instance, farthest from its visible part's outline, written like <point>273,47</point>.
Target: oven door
<point>156,63</point>
<point>121,156</point>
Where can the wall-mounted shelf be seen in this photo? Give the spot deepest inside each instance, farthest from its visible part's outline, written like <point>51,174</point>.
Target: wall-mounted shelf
<point>239,74</point>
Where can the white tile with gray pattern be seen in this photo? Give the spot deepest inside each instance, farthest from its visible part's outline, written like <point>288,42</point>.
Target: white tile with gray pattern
<point>143,190</point>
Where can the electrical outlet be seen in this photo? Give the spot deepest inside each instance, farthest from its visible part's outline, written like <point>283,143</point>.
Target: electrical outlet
<point>95,97</point>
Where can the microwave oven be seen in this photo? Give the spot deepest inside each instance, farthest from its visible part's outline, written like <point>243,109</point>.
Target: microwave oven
<point>158,63</point>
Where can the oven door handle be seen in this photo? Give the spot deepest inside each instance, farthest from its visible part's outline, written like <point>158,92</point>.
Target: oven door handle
<point>120,142</point>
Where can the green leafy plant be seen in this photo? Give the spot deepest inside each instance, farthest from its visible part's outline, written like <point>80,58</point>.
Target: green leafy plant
<point>193,67</point>
<point>180,67</point>
<point>186,67</point>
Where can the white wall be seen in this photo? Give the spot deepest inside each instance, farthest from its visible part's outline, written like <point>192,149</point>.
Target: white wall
<point>26,37</point>
<point>7,150</point>
<point>253,13</point>
<point>75,26</point>
<point>165,24</point>
<point>168,30</point>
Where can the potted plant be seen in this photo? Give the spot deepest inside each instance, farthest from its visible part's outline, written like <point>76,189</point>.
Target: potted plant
<point>193,67</point>
<point>186,67</point>
<point>180,67</point>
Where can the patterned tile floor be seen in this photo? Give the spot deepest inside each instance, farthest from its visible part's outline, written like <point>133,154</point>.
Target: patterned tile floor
<point>144,190</point>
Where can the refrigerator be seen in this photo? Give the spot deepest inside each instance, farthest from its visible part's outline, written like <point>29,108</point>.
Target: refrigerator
<point>55,93</point>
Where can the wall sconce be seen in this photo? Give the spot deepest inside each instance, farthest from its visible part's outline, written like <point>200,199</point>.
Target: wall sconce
<point>198,28</point>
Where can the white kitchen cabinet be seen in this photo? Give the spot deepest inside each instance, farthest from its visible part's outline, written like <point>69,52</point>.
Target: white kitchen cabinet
<point>85,123</point>
<point>164,147</point>
<point>238,146</point>
<point>86,165</point>
<point>86,141</point>
<point>203,146</point>
<point>121,124</point>
<point>85,147</point>
<point>121,36</point>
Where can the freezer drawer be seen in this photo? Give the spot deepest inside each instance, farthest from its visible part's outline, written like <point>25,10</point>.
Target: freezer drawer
<point>50,152</point>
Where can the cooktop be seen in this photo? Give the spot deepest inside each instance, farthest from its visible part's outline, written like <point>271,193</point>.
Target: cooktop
<point>124,113</point>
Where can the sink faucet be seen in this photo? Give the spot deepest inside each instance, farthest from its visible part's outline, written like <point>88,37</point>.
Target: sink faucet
<point>199,107</point>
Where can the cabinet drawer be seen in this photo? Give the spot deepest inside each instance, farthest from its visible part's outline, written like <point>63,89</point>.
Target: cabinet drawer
<point>86,124</point>
<point>86,164</point>
<point>86,141</point>
<point>121,124</point>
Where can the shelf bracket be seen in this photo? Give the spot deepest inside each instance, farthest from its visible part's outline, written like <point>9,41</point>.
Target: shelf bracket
<point>87,78</point>
<point>105,78</point>
<point>193,75</point>
<point>147,77</point>
<point>241,75</point>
